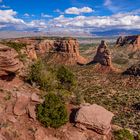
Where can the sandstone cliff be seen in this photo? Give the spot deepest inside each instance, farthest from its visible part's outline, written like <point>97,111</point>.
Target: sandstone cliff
<point>66,51</point>
<point>9,62</point>
<point>56,50</point>
<point>131,42</point>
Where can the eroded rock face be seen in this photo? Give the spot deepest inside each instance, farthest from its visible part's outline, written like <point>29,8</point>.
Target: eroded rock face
<point>133,70</point>
<point>66,51</point>
<point>131,42</point>
<point>9,62</point>
<point>57,51</point>
<point>103,55</point>
<point>95,117</point>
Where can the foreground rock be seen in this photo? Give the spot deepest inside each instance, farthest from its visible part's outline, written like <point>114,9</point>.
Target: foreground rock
<point>133,70</point>
<point>9,62</point>
<point>20,105</point>
<point>131,42</point>
<point>95,117</point>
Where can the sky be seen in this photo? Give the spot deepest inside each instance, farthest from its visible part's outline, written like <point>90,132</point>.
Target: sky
<point>85,16</point>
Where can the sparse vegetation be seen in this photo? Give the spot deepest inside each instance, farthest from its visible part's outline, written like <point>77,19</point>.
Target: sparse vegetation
<point>115,92</point>
<point>123,135</point>
<point>15,45</point>
<point>41,77</point>
<point>52,113</point>
<point>66,78</point>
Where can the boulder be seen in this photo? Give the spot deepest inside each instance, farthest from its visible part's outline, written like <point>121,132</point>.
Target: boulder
<point>95,117</point>
<point>21,105</point>
<point>9,62</point>
<point>36,98</point>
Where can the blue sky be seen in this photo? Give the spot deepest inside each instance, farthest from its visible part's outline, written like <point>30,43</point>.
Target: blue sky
<point>69,15</point>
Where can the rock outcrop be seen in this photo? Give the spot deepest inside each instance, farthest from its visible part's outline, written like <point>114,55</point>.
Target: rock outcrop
<point>95,117</point>
<point>133,70</point>
<point>9,62</point>
<point>103,55</point>
<point>103,60</point>
<point>66,51</point>
<point>54,50</point>
<point>131,42</point>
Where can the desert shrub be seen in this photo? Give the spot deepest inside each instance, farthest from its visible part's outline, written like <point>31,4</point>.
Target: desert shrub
<point>66,78</point>
<point>65,95</point>
<point>15,45</point>
<point>52,113</point>
<point>123,134</point>
<point>120,61</point>
<point>39,75</point>
<point>138,137</point>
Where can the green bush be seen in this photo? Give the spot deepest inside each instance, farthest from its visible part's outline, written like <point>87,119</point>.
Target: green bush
<point>15,45</point>
<point>43,78</point>
<point>52,113</point>
<point>123,134</point>
<point>66,78</point>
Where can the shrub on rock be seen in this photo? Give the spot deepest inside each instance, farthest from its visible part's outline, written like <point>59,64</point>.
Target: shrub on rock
<point>52,113</point>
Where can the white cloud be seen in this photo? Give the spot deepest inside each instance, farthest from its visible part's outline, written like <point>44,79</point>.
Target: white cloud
<point>8,16</point>
<point>99,23</point>
<point>131,20</point>
<point>58,11</point>
<point>26,15</point>
<point>4,6</point>
<point>77,11</point>
<point>45,15</point>
<point>109,4</point>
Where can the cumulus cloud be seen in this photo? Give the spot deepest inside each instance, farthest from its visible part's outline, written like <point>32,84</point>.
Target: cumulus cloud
<point>77,11</point>
<point>45,15</point>
<point>8,16</point>
<point>99,23</point>
<point>131,20</point>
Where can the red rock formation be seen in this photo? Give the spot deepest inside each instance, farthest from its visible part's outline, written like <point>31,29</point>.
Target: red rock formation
<point>103,55</point>
<point>9,62</point>
<point>103,59</point>
<point>45,46</point>
<point>131,42</point>
<point>66,51</point>
<point>58,51</point>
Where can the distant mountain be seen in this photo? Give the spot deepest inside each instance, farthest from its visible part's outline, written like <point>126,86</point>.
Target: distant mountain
<point>108,33</point>
<point>18,34</point>
<point>116,32</point>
